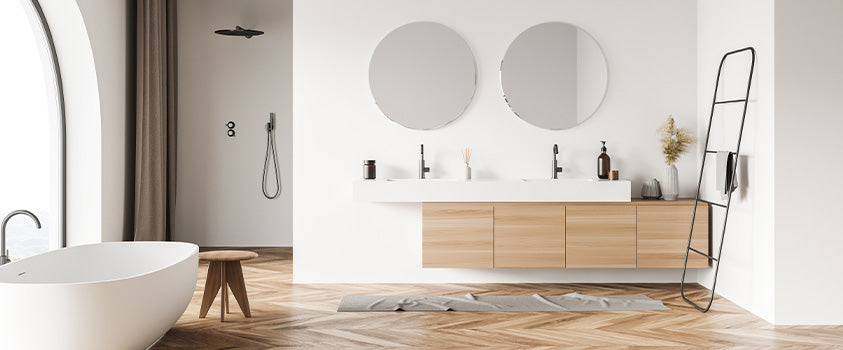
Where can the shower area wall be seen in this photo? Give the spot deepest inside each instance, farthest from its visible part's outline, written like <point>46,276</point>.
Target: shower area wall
<point>230,78</point>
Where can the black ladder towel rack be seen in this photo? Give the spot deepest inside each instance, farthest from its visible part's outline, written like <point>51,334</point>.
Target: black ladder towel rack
<point>729,190</point>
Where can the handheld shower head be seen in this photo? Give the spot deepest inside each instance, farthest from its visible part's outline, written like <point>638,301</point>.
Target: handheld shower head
<point>239,31</point>
<point>271,153</point>
<point>555,149</point>
<point>271,125</point>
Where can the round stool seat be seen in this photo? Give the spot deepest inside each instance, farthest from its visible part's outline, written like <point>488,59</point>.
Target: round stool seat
<point>228,255</point>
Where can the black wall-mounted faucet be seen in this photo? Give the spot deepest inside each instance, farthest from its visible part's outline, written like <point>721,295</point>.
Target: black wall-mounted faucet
<point>556,168</point>
<point>422,169</point>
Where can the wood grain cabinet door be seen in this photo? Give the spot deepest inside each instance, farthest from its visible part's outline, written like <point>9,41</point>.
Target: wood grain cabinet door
<point>663,236</point>
<point>457,235</point>
<point>600,236</point>
<point>529,235</point>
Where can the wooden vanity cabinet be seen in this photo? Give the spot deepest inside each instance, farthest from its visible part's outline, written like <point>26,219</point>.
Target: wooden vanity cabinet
<point>529,235</point>
<point>457,235</point>
<point>663,234</point>
<point>600,236</point>
<point>637,234</point>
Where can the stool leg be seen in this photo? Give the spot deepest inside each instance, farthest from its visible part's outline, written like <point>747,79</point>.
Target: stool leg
<point>238,286</point>
<point>212,286</point>
<point>227,276</point>
<point>227,309</point>
<point>224,292</point>
<point>224,298</point>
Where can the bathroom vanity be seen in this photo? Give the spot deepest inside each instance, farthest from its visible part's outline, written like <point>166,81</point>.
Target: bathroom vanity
<point>637,234</point>
<point>517,224</point>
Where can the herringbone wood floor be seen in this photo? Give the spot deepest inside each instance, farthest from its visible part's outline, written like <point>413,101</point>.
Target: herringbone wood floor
<point>290,316</point>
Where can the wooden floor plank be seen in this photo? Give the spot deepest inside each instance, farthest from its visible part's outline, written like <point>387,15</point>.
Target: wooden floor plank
<point>286,315</point>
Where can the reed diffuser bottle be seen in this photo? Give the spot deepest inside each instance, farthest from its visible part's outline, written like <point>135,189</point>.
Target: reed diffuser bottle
<point>604,163</point>
<point>466,158</point>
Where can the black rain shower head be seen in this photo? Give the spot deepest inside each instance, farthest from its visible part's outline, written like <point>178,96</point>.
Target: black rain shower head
<point>239,31</point>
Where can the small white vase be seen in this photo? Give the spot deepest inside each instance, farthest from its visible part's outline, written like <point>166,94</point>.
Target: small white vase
<point>467,174</point>
<point>670,183</point>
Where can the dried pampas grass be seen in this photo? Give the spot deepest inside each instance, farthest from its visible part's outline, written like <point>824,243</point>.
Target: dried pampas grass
<point>675,141</point>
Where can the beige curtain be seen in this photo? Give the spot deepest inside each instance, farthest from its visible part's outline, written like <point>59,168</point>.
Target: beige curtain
<point>155,145</point>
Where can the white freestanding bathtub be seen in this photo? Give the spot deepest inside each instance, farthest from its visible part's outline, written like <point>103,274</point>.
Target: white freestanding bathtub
<point>120,295</point>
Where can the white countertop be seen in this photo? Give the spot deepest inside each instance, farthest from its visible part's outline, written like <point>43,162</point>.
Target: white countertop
<point>538,190</point>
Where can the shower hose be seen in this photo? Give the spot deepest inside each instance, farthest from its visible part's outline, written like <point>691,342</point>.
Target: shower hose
<point>270,152</point>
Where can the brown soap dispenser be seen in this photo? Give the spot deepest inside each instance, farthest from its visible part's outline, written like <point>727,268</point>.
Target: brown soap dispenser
<point>603,164</point>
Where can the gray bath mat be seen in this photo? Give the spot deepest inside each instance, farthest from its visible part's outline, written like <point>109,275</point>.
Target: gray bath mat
<point>469,302</point>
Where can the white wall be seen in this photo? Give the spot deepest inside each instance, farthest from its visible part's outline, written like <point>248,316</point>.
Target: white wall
<point>651,52</point>
<point>809,84</point>
<point>746,274</point>
<point>782,241</point>
<point>219,198</point>
<point>90,39</point>
<point>106,22</point>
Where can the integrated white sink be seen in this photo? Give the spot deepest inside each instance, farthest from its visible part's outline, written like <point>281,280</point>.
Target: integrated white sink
<point>520,190</point>
<point>558,180</point>
<point>418,180</point>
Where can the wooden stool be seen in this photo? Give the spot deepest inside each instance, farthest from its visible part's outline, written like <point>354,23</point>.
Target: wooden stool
<point>225,271</point>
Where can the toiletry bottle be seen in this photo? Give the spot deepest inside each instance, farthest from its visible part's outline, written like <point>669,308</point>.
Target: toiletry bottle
<point>369,170</point>
<point>603,163</point>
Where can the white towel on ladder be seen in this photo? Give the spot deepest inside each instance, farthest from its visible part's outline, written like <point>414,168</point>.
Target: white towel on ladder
<point>726,179</point>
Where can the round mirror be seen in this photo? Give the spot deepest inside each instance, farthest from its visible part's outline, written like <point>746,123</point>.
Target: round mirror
<point>554,75</point>
<point>422,75</point>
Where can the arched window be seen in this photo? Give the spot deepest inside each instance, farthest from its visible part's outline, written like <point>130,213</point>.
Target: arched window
<point>32,140</point>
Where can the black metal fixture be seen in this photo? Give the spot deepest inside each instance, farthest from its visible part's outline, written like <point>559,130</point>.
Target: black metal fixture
<point>239,31</point>
<point>230,126</point>
<point>734,165</point>
<point>556,168</point>
<point>273,154</point>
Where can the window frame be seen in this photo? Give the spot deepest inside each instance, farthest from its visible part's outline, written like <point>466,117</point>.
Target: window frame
<point>48,47</point>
